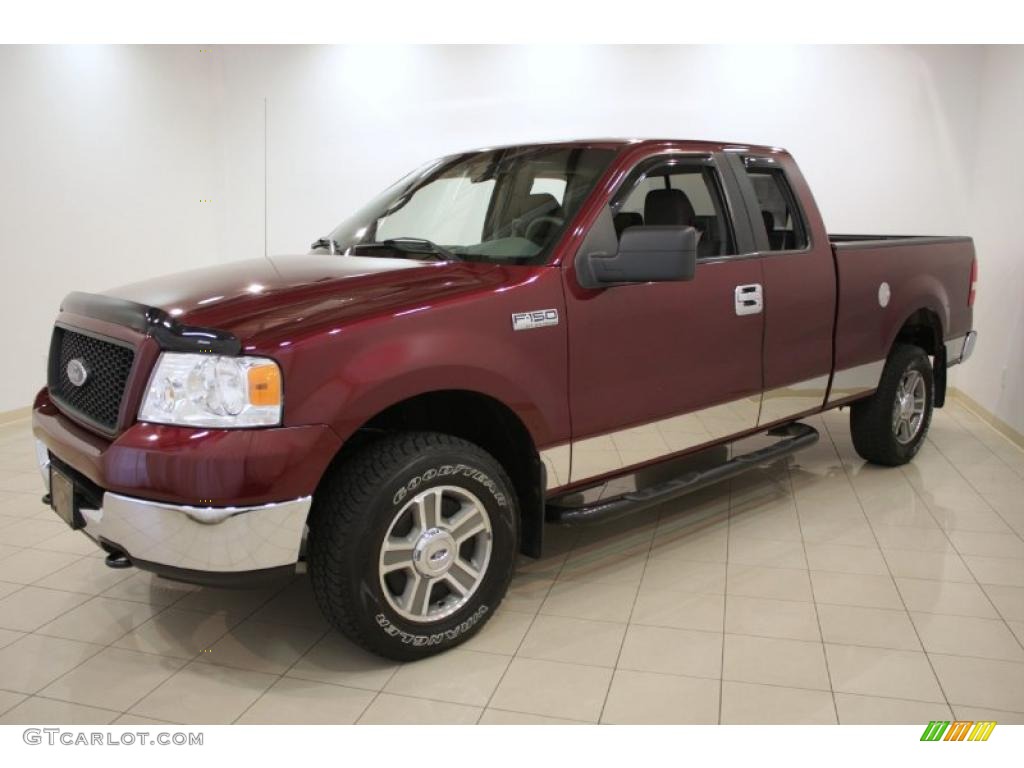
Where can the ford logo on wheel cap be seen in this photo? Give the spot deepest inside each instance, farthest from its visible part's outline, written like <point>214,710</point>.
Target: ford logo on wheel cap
<point>77,372</point>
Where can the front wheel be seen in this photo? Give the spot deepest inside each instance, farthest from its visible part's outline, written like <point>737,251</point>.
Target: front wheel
<point>412,542</point>
<point>889,427</point>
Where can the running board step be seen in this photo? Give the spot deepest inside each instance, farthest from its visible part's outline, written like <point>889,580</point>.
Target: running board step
<point>794,436</point>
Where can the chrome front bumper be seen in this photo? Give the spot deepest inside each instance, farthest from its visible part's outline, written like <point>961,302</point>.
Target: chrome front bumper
<point>214,540</point>
<point>958,350</point>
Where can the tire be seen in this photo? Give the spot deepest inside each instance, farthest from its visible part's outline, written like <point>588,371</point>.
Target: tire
<point>422,595</point>
<point>883,432</point>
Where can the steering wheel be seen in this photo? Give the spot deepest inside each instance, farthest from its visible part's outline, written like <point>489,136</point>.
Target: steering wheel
<point>556,220</point>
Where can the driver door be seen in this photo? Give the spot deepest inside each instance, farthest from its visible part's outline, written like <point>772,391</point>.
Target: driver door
<point>661,368</point>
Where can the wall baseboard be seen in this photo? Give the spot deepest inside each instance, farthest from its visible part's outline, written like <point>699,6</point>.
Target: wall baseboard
<point>6,417</point>
<point>987,416</point>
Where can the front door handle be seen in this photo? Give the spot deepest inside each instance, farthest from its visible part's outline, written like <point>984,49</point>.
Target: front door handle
<point>749,299</point>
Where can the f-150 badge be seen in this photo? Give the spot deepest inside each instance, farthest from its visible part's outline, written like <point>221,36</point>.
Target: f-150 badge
<point>538,318</point>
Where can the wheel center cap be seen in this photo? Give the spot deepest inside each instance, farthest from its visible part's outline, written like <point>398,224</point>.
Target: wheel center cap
<point>434,552</point>
<point>906,406</point>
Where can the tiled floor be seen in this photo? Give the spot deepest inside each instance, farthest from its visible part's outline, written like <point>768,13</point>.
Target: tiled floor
<point>818,590</point>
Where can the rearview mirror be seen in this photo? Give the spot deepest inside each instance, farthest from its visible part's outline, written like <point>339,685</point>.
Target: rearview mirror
<point>644,255</point>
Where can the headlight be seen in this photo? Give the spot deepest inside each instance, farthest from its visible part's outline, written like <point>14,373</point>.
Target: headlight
<point>213,391</point>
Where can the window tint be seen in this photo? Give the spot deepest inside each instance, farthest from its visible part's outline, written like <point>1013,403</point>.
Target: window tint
<point>679,194</point>
<point>780,214</point>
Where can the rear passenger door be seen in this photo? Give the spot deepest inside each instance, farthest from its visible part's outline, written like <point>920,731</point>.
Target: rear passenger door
<point>661,368</point>
<point>799,285</point>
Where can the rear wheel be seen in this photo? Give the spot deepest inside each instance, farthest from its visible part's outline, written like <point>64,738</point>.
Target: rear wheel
<point>412,542</point>
<point>889,427</point>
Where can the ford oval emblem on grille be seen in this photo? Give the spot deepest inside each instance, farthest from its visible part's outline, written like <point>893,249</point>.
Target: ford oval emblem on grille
<point>77,372</point>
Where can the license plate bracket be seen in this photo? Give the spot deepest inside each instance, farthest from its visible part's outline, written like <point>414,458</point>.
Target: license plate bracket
<point>63,500</point>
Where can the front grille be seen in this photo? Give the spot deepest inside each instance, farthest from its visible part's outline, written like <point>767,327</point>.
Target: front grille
<point>107,366</point>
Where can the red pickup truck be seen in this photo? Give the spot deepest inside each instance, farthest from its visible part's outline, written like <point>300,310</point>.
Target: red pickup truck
<point>504,338</point>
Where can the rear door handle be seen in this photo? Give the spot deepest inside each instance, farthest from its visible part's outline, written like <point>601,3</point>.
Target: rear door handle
<point>749,299</point>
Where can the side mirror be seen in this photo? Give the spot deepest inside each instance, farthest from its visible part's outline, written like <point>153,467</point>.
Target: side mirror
<point>644,255</point>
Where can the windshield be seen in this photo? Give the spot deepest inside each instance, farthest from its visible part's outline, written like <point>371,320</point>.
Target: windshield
<point>505,206</point>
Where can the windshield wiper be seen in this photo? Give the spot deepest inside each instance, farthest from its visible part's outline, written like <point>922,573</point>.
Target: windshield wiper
<point>325,242</point>
<point>414,245</point>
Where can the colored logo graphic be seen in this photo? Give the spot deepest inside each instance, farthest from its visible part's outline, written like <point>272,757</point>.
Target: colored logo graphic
<point>959,730</point>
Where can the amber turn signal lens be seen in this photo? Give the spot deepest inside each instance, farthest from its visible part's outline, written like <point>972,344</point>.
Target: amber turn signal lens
<point>265,385</point>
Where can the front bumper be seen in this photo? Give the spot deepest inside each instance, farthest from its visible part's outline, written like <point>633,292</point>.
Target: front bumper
<point>196,544</point>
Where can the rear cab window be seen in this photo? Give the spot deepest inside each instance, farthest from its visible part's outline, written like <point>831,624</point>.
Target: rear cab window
<point>783,221</point>
<point>677,191</point>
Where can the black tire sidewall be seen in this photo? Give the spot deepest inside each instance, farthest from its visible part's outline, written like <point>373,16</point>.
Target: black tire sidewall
<point>910,358</point>
<point>375,617</point>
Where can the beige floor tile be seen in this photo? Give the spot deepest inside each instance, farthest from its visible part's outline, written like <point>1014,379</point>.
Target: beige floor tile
<point>527,592</point>
<point>774,661</point>
<point>30,608</point>
<point>6,588</point>
<point>304,702</point>
<point>37,711</point>
<point>558,638</point>
<point>336,660</point>
<point>101,620</point>
<point>294,605</point>
<point>844,559</point>
<point>389,709</point>
<point>882,672</point>
<point>986,683</point>
<point>1001,716</point>
<point>771,583</point>
<point>647,698</point>
<point>182,634</point>
<point>1008,600</point>
<point>855,709</point>
<point>553,689</point>
<point>941,566</point>
<point>8,699</point>
<point>204,694</point>
<point>781,525</point>
<point>855,589</point>
<point>684,575</point>
<point>270,648</point>
<point>8,636</point>
<point>672,651</point>
<point>501,634</point>
<point>908,538</point>
<point>461,677</point>
<point>988,570</point>
<point>967,636</point>
<point>991,544</point>
<point>139,720</point>
<point>29,532</point>
<point>33,662</point>
<point>113,679</point>
<point>88,576</point>
<point>144,587</point>
<point>846,531</point>
<point>503,717</point>
<point>767,552</point>
<point>29,565</point>
<point>946,597</point>
<point>748,703</point>
<point>771,618</point>
<point>590,600</point>
<point>69,541</point>
<point>691,543</point>
<point>1017,627</point>
<point>5,550</point>
<point>236,602</point>
<point>876,627</point>
<point>679,610</point>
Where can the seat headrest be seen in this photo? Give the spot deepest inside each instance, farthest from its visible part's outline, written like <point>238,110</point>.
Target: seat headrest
<point>668,207</point>
<point>627,219</point>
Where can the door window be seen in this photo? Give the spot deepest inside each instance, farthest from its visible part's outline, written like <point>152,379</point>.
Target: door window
<point>783,223</point>
<point>678,193</point>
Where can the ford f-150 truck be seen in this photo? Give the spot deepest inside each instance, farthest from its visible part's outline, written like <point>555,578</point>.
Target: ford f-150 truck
<point>504,338</point>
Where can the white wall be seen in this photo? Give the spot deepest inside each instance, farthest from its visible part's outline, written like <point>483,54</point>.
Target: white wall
<point>995,375</point>
<point>114,147</point>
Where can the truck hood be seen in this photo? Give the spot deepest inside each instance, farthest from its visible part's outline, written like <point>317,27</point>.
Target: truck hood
<point>261,296</point>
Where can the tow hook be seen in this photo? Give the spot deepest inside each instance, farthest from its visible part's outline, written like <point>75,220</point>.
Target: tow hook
<point>117,560</point>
